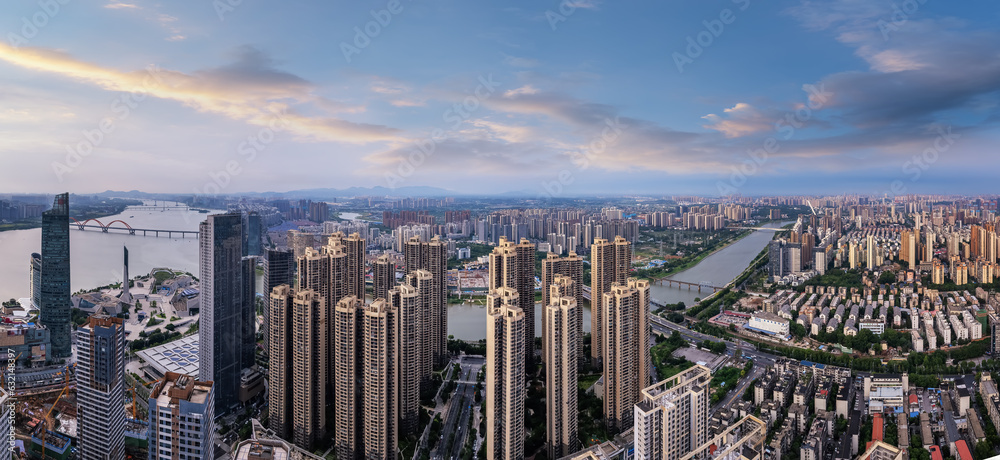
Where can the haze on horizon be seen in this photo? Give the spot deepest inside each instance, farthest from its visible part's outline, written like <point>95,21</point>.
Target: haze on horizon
<point>561,98</point>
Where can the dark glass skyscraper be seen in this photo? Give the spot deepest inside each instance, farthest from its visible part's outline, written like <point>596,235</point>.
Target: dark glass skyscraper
<point>54,299</point>
<point>226,308</point>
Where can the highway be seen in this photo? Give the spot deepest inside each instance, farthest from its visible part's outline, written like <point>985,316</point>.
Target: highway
<point>458,412</point>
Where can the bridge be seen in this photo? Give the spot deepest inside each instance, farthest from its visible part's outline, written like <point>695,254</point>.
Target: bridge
<point>131,230</point>
<point>158,208</point>
<point>670,283</point>
<point>757,228</point>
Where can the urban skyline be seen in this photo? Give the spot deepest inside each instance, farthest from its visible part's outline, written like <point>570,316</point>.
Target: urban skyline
<point>560,230</point>
<point>855,96</point>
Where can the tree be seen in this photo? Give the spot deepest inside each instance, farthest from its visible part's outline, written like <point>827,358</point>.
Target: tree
<point>983,450</point>
<point>798,330</point>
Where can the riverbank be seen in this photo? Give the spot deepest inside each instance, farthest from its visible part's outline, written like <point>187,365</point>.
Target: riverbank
<point>692,262</point>
<point>80,214</point>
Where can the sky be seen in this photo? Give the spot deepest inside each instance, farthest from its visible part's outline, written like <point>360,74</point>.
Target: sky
<point>543,97</point>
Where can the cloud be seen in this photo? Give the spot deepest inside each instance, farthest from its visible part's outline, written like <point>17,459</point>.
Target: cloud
<point>249,89</point>
<point>918,69</point>
<point>117,5</point>
<point>515,61</point>
<point>740,120</point>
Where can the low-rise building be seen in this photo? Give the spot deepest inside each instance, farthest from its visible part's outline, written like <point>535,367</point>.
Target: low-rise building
<point>769,324</point>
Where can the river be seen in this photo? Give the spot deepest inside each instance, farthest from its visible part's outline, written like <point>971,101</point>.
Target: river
<point>468,322</point>
<point>96,257</point>
<point>96,260</point>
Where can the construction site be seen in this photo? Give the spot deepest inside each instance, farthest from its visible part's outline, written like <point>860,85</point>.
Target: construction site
<point>45,420</point>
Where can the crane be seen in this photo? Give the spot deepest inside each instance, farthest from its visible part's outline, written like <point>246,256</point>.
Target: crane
<point>48,415</point>
<point>134,401</point>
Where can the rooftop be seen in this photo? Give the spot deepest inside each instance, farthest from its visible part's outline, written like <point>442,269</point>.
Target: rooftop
<point>175,387</point>
<point>179,356</point>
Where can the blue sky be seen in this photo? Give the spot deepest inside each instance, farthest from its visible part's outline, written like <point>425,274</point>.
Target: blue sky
<point>560,97</point>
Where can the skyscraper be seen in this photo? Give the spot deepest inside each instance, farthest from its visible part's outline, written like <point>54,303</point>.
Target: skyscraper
<point>626,345</point>
<point>335,272</point>
<point>506,350</point>
<point>405,302</point>
<point>671,420</point>
<point>55,288</point>
<point>279,268</point>
<point>181,414</point>
<point>571,267</point>
<point>35,279</point>
<point>513,266</point>
<point>348,420</point>
<point>433,257</point>
<point>383,276</point>
<point>561,357</point>
<point>126,297</point>
<point>279,370</point>
<point>224,338</point>
<point>379,381</point>
<point>609,263</point>
<point>100,387</point>
<point>908,248</point>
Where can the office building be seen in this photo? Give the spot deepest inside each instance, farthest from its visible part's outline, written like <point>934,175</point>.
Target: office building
<point>55,289</point>
<point>348,421</point>
<point>383,277</point>
<point>126,297</point>
<point>279,268</point>
<point>432,256</point>
<point>226,339</point>
<point>506,347</point>
<point>379,404</point>
<point>671,419</point>
<point>572,268</point>
<point>626,342</point>
<point>609,263</point>
<point>561,355</point>
<point>181,419</point>
<point>512,266</point>
<point>100,388</point>
<point>35,279</point>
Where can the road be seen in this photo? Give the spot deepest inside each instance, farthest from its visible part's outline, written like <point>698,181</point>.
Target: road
<point>665,327</point>
<point>741,387</point>
<point>458,410</point>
